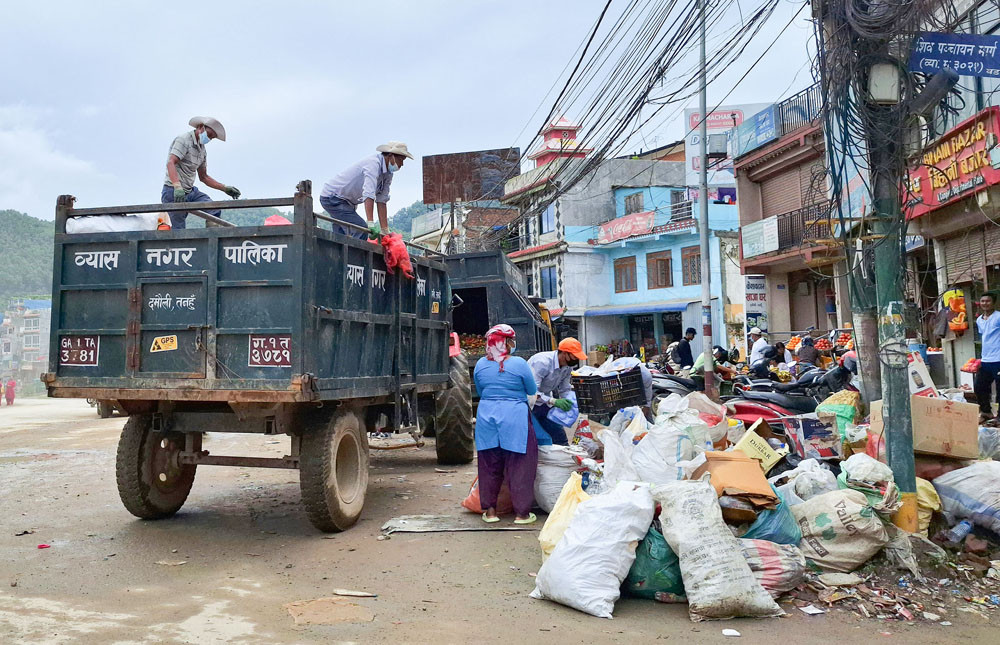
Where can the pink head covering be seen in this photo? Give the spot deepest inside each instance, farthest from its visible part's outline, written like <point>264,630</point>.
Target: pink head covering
<point>496,343</point>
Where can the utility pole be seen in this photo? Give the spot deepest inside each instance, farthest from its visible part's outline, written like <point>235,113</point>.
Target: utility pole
<point>706,263</point>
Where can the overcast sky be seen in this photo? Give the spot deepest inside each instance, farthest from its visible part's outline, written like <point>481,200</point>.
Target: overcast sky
<point>92,93</point>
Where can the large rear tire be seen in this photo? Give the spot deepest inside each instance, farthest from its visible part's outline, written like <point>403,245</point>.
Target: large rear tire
<point>453,416</point>
<point>333,472</point>
<point>151,484</point>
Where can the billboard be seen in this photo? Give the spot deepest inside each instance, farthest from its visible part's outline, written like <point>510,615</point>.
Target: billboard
<point>469,176</point>
<point>756,304</point>
<point>724,119</point>
<point>759,129</point>
<point>627,226</point>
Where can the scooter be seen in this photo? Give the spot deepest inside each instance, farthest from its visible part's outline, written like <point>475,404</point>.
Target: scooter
<point>771,400</point>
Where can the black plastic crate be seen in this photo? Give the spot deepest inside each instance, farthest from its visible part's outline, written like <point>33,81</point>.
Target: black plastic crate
<point>606,394</point>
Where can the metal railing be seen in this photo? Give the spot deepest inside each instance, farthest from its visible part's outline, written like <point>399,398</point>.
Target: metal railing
<point>803,225</point>
<point>799,110</point>
<point>681,210</point>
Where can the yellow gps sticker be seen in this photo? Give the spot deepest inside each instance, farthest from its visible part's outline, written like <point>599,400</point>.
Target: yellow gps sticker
<point>164,344</point>
<point>435,307</point>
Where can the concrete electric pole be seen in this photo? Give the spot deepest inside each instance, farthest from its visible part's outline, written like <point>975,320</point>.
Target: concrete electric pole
<point>706,264</point>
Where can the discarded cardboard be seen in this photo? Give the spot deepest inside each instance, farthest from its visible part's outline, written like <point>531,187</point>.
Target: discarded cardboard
<point>756,447</point>
<point>733,473</point>
<point>920,380</point>
<point>940,426</point>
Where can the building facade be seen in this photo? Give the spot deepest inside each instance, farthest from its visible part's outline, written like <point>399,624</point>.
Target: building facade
<point>24,342</point>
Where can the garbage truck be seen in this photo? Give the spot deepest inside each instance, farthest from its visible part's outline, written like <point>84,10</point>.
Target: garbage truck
<point>270,330</point>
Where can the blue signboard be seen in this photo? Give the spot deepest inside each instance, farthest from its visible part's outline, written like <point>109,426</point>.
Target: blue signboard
<point>755,132</point>
<point>967,54</point>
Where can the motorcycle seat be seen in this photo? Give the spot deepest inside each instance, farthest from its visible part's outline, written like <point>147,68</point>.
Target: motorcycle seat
<point>799,404</point>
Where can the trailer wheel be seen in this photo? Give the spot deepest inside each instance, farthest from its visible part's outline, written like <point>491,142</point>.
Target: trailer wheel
<point>333,472</point>
<point>105,409</point>
<point>151,484</point>
<point>453,416</point>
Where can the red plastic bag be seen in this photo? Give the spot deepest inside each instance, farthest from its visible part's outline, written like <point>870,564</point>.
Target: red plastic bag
<point>396,254</point>
<point>504,505</point>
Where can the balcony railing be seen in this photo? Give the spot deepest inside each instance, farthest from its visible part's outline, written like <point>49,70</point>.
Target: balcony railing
<point>799,110</point>
<point>803,226</point>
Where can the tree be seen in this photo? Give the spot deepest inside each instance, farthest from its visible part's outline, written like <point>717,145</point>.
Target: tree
<point>403,218</point>
<point>25,256</point>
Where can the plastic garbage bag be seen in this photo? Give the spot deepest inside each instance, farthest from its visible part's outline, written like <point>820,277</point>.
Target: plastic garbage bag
<point>711,414</point>
<point>113,223</point>
<point>840,530</point>
<point>775,525</point>
<point>717,579</point>
<point>396,255</point>
<point>656,572</point>
<point>472,503</point>
<point>989,442</point>
<point>779,568</point>
<point>590,562</point>
<point>570,497</point>
<point>805,481</point>
<point>972,492</point>
<point>657,455</point>
<point>674,413</point>
<point>567,418</point>
<point>555,465</point>
<point>617,458</point>
<point>873,478</point>
<point>625,417</point>
<point>899,552</point>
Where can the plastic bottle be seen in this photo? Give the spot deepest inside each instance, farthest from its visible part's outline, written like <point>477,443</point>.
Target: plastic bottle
<point>958,532</point>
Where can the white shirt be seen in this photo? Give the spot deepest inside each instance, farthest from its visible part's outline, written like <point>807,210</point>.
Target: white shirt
<point>549,376</point>
<point>757,351</point>
<point>368,179</point>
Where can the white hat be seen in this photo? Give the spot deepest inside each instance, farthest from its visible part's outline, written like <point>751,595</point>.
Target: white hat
<point>395,148</point>
<point>756,330</point>
<point>220,132</point>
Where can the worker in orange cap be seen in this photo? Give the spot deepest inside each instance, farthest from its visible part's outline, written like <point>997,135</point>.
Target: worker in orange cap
<point>552,371</point>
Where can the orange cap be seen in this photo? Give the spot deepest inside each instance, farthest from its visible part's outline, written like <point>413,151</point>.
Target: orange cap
<point>572,346</point>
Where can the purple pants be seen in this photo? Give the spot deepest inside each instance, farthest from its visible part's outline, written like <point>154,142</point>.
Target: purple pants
<point>497,465</point>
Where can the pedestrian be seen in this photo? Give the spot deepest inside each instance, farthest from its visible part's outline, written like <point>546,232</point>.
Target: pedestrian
<point>552,371</point>
<point>806,352</point>
<point>365,182</point>
<point>186,160</point>
<point>8,391</point>
<point>758,345</point>
<point>988,324</point>
<point>505,438</point>
<point>684,357</point>
<point>722,372</point>
<point>784,356</point>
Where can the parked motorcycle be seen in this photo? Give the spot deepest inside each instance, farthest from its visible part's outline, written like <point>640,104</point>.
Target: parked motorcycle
<point>771,400</point>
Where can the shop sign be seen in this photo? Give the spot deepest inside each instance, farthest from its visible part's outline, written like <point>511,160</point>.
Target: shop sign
<point>760,237</point>
<point>967,54</point>
<point>755,132</point>
<point>628,226</point>
<point>756,302</point>
<point>963,162</point>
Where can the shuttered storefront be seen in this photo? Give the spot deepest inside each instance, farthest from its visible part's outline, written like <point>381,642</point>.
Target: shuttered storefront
<point>965,256</point>
<point>781,194</point>
<point>812,183</point>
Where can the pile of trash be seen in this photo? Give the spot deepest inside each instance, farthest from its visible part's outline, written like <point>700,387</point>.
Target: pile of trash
<point>695,507</point>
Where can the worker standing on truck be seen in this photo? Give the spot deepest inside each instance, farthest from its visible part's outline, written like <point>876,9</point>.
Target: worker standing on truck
<point>552,371</point>
<point>366,182</point>
<point>186,160</point>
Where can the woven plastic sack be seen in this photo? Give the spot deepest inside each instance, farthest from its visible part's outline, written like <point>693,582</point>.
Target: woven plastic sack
<point>396,255</point>
<point>779,568</point>
<point>617,458</point>
<point>840,531</point>
<point>717,579</point>
<point>555,525</point>
<point>555,465</point>
<point>657,454</point>
<point>972,492</point>
<point>775,525</point>
<point>840,408</point>
<point>590,562</point>
<point>656,572</point>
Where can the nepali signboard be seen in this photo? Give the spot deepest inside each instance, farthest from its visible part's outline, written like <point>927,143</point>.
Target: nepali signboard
<point>760,237</point>
<point>754,132</point>
<point>756,305</point>
<point>966,54</point>
<point>965,161</point>
<point>622,227</point>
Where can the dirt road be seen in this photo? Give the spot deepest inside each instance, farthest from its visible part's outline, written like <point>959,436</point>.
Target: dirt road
<point>248,551</point>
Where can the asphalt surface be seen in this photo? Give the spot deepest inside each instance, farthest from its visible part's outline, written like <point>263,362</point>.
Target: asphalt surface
<point>248,551</point>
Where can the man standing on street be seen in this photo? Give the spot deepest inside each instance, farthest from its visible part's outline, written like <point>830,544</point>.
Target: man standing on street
<point>988,324</point>
<point>684,356</point>
<point>186,159</point>
<point>367,181</point>
<point>552,371</point>
<point>759,345</point>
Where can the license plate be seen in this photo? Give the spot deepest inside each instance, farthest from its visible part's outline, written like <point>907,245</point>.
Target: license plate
<point>270,350</point>
<point>79,351</point>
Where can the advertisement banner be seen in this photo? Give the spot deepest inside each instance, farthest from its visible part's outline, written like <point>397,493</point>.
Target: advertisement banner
<point>622,227</point>
<point>756,304</point>
<point>964,161</point>
<point>723,120</point>
<point>755,132</point>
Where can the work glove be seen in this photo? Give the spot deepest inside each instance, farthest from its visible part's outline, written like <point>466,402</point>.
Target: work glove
<point>232,191</point>
<point>374,230</point>
<point>180,195</point>
<point>563,404</point>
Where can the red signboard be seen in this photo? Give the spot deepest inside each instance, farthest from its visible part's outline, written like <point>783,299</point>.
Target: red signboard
<point>618,229</point>
<point>721,120</point>
<point>963,162</point>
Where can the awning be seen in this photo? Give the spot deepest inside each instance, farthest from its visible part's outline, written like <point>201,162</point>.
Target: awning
<point>642,308</point>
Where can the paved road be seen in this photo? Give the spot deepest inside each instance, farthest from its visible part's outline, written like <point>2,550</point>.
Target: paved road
<point>248,551</point>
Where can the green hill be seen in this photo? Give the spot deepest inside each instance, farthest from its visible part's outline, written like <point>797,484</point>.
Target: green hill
<point>25,256</point>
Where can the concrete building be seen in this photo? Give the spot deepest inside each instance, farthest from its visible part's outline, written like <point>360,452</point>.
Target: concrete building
<point>24,342</point>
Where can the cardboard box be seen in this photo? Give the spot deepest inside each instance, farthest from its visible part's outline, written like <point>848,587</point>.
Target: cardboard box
<point>756,447</point>
<point>596,359</point>
<point>919,377</point>
<point>733,473</point>
<point>940,426</point>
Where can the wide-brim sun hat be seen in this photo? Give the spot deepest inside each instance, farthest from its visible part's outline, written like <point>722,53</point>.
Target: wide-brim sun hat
<point>395,148</point>
<point>756,330</point>
<point>220,132</point>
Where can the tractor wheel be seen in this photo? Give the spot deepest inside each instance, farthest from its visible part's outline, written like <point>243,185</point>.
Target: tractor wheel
<point>333,472</point>
<point>151,484</point>
<point>453,416</point>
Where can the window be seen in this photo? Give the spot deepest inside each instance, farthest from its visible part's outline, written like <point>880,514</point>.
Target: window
<point>625,274</point>
<point>658,270</point>
<point>691,264</point>
<point>549,282</point>
<point>547,220</point>
<point>633,203</point>
<point>31,340</point>
<point>530,282</point>
<point>31,324</point>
